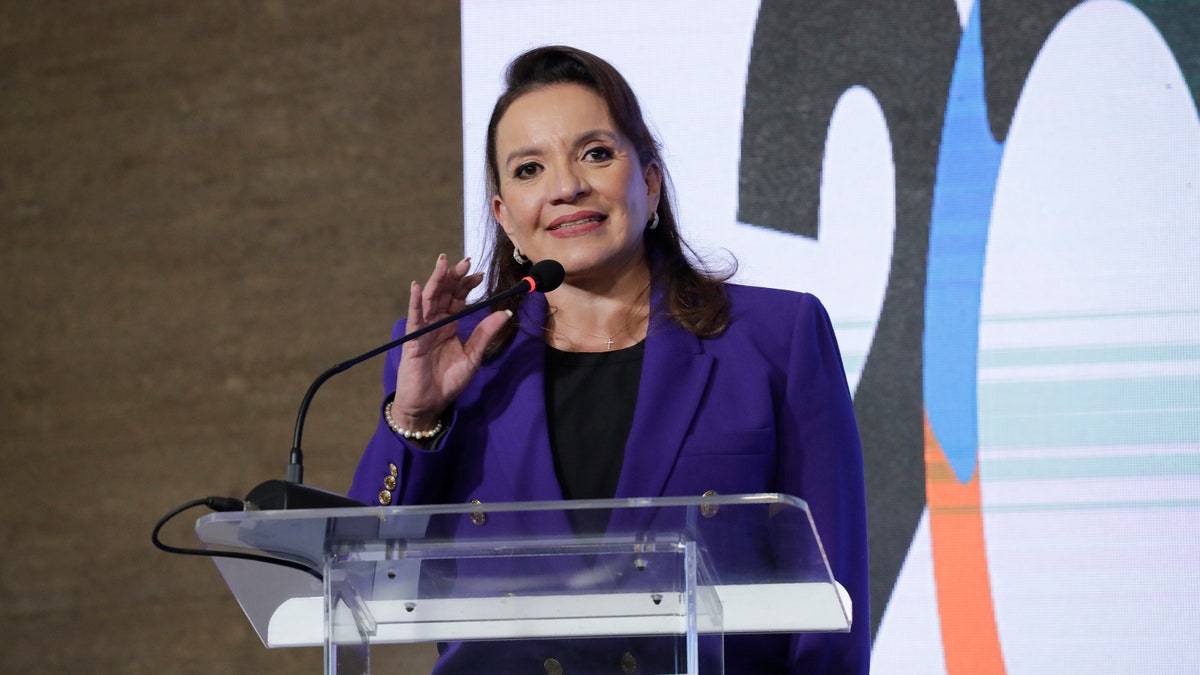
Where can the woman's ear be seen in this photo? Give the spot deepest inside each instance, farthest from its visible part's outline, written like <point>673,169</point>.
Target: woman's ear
<point>654,179</point>
<point>500,213</point>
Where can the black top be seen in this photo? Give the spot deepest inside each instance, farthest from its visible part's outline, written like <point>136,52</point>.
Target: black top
<point>590,399</point>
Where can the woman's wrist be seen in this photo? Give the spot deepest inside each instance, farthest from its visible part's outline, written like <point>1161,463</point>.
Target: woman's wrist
<point>412,428</point>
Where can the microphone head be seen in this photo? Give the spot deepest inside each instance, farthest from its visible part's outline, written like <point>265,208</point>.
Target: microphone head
<point>546,275</point>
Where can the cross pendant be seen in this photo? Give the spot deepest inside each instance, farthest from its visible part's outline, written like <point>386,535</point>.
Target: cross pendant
<point>610,343</point>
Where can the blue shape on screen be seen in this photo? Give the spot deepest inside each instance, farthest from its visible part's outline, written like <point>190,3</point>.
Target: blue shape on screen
<point>968,166</point>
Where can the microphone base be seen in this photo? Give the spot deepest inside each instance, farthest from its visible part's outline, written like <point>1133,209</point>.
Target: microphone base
<point>282,495</point>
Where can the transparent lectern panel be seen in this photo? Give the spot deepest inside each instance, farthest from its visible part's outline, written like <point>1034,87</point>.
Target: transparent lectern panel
<point>606,571</point>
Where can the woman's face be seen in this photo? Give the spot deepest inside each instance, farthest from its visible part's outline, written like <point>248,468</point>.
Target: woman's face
<point>572,187</point>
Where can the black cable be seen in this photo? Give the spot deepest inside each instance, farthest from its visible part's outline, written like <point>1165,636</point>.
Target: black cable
<point>222,504</point>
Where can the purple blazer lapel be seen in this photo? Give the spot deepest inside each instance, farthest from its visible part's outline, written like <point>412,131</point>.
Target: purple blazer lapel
<point>675,373</point>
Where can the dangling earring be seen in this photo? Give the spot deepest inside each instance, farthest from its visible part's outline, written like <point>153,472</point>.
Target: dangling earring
<point>521,260</point>
<point>654,221</point>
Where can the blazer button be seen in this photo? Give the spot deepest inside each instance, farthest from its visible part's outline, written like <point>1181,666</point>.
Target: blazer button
<point>628,664</point>
<point>480,518</point>
<point>393,470</point>
<point>385,497</point>
<point>709,510</point>
<point>552,666</point>
<point>389,482</point>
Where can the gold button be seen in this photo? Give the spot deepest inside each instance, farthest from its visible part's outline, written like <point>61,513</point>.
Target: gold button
<point>385,497</point>
<point>628,664</point>
<point>553,667</point>
<point>393,470</point>
<point>480,518</point>
<point>389,482</point>
<point>709,510</point>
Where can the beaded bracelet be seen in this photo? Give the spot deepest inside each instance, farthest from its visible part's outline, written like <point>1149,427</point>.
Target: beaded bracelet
<point>406,433</point>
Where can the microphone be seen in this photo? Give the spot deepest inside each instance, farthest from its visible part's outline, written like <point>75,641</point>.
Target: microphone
<point>543,277</point>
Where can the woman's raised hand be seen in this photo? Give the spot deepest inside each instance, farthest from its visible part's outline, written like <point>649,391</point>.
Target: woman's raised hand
<point>436,367</point>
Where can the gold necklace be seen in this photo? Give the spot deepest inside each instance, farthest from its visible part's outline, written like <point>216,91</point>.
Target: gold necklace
<point>608,340</point>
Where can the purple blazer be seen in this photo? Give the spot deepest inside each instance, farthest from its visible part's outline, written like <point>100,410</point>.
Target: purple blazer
<point>764,407</point>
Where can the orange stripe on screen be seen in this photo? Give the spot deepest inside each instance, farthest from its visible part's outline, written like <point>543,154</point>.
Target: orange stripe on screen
<point>970,640</point>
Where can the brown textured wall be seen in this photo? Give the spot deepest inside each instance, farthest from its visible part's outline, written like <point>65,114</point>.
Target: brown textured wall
<point>202,206</point>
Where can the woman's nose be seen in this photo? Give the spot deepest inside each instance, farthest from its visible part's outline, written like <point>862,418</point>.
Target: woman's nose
<point>569,185</point>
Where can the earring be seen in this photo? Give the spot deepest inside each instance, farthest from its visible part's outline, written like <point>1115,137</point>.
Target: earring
<point>654,221</point>
<point>521,260</point>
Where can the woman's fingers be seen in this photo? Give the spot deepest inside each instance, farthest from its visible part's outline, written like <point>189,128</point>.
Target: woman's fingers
<point>416,312</point>
<point>435,285</point>
<point>449,286</point>
<point>444,293</point>
<point>482,336</point>
<point>466,285</point>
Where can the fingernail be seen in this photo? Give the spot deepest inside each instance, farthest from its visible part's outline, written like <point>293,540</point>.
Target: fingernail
<point>509,313</point>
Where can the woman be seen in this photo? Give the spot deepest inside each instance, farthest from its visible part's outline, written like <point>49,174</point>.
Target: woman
<point>640,376</point>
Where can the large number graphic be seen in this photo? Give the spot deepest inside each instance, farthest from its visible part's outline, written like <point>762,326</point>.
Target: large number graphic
<point>802,60</point>
<point>919,396</point>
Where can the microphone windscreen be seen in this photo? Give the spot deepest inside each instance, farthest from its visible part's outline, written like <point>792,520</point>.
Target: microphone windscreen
<point>547,275</point>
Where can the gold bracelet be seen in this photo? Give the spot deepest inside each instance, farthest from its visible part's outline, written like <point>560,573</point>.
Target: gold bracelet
<point>406,433</point>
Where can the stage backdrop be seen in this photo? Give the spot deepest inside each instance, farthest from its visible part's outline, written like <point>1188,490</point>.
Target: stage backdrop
<point>1000,206</point>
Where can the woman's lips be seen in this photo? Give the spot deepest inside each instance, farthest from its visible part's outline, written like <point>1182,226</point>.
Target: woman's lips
<point>575,224</point>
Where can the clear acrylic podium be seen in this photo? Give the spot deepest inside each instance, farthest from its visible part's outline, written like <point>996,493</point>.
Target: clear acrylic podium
<point>683,568</point>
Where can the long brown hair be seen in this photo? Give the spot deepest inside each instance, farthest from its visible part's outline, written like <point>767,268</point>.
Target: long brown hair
<point>696,299</point>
